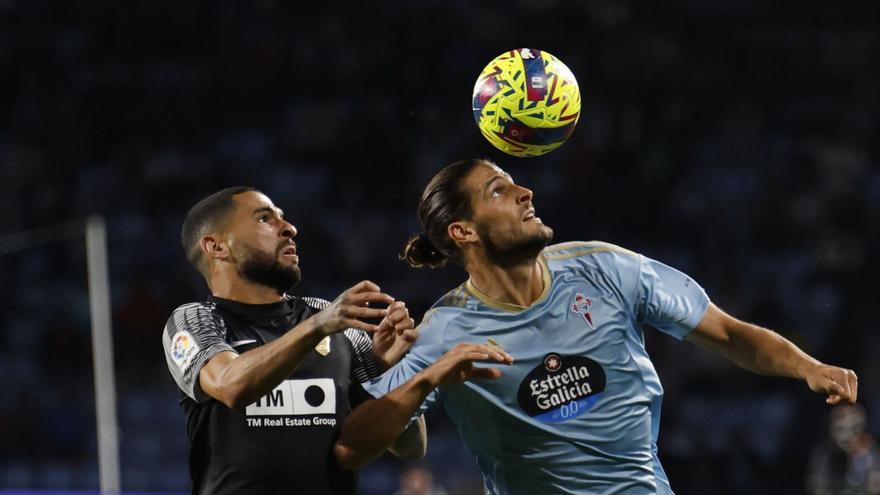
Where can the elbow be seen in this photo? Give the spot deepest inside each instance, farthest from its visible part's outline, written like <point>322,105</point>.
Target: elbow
<point>231,397</point>
<point>238,398</point>
<point>412,450</point>
<point>235,403</point>
<point>348,458</point>
<point>413,453</point>
<point>230,393</point>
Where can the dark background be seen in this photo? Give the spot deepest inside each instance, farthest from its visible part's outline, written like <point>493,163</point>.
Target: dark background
<point>736,141</point>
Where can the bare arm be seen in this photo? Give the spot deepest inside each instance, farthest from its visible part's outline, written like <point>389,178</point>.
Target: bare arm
<point>375,425</point>
<point>239,379</point>
<point>765,352</point>
<point>396,335</point>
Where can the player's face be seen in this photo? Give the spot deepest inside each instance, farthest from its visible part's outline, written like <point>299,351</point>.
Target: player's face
<point>261,242</point>
<point>505,218</point>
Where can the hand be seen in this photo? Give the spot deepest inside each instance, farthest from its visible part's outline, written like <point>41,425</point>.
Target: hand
<point>457,365</point>
<point>396,335</point>
<point>840,384</point>
<point>351,308</point>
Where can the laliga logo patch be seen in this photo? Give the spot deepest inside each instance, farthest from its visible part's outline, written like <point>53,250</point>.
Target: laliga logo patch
<point>583,305</point>
<point>561,388</point>
<point>183,349</point>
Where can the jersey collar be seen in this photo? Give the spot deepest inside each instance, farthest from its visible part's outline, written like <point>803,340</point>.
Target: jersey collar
<point>255,311</point>
<point>513,308</point>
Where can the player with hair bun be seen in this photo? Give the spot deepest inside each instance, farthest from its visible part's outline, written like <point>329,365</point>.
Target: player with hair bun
<point>579,410</point>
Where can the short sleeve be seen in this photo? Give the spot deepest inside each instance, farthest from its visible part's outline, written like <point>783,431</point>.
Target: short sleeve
<point>193,335</point>
<point>363,363</point>
<point>669,300</point>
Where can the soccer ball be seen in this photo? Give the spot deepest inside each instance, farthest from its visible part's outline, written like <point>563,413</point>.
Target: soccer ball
<point>526,102</point>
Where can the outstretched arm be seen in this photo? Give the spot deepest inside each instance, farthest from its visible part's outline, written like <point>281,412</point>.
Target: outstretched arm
<point>765,352</point>
<point>375,425</point>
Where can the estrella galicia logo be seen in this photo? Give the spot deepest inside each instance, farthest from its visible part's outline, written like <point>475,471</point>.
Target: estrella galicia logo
<point>561,388</point>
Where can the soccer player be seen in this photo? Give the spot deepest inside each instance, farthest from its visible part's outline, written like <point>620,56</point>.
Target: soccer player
<point>579,410</point>
<point>267,378</point>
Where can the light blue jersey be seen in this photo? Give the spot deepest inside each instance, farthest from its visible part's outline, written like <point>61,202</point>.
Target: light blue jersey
<point>579,410</point>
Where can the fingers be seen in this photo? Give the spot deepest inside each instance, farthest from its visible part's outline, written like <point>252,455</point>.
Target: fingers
<point>853,382</point>
<point>845,385</point>
<point>498,355</point>
<point>835,392</point>
<point>485,373</point>
<point>406,325</point>
<point>363,286</point>
<point>398,315</point>
<point>367,298</point>
<point>457,366</point>
<point>841,385</point>
<point>397,307</point>
<point>363,312</point>
<point>367,327</point>
<point>398,319</point>
<point>479,352</point>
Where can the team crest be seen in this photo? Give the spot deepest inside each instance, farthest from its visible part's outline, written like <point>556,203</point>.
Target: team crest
<point>323,347</point>
<point>583,306</point>
<point>552,362</point>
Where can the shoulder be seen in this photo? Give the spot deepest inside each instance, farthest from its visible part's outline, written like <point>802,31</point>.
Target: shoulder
<point>448,307</point>
<point>441,317</point>
<point>578,249</point>
<point>599,261</point>
<point>192,307</point>
<point>456,298</point>
<point>194,316</point>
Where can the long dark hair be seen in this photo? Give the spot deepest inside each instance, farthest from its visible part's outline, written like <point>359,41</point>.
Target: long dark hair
<point>444,201</point>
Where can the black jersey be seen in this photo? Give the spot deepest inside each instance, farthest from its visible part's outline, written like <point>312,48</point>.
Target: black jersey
<point>282,443</point>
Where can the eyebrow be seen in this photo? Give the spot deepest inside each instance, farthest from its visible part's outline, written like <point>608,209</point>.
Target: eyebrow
<point>493,179</point>
<point>267,209</point>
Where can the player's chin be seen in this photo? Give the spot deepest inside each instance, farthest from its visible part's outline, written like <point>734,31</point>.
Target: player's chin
<point>289,259</point>
<point>544,231</point>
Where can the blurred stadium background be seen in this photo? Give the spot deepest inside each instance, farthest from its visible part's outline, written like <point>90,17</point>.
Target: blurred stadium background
<point>736,140</point>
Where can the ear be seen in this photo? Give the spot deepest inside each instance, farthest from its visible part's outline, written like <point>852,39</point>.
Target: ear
<point>462,233</point>
<point>213,247</point>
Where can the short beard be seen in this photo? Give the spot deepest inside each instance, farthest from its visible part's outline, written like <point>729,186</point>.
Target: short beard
<point>261,268</point>
<point>516,252</point>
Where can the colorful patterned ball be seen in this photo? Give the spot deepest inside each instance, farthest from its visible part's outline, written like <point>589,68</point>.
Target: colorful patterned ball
<point>526,102</point>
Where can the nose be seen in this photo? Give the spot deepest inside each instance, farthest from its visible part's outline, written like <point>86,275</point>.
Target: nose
<point>288,231</point>
<point>525,195</point>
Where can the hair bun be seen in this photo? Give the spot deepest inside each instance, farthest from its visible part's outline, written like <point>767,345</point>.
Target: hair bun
<point>420,251</point>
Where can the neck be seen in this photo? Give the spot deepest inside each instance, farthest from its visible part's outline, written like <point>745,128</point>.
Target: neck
<point>235,288</point>
<point>520,285</point>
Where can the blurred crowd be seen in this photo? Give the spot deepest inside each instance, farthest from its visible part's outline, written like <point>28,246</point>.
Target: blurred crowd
<point>736,141</point>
